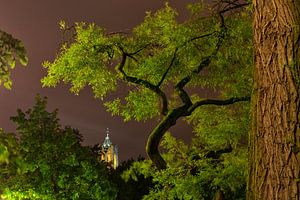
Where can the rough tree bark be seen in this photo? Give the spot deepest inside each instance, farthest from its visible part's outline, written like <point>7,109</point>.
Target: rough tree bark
<point>275,136</point>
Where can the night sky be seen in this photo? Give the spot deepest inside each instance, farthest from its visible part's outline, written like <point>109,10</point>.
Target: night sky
<point>35,22</point>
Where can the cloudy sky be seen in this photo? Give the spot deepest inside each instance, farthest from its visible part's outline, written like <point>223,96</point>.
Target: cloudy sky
<point>35,22</point>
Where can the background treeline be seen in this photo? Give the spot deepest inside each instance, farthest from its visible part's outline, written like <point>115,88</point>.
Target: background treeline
<point>44,160</point>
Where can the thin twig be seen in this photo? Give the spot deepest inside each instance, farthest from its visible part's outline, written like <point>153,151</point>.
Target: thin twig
<point>168,69</point>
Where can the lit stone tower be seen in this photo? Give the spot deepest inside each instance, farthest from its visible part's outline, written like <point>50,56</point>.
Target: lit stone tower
<point>109,152</point>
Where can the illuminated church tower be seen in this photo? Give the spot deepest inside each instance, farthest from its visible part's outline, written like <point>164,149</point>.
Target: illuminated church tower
<point>109,152</point>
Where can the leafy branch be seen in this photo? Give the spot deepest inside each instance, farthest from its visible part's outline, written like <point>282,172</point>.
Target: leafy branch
<point>142,82</point>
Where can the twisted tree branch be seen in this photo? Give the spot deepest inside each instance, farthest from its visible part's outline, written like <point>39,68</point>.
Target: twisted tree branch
<point>158,132</point>
<point>170,120</point>
<point>141,82</point>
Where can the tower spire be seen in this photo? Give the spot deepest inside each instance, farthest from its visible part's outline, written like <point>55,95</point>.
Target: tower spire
<point>109,151</point>
<point>107,143</point>
<point>107,132</point>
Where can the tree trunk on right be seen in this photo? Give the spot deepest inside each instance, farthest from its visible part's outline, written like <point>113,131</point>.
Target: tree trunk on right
<point>274,142</point>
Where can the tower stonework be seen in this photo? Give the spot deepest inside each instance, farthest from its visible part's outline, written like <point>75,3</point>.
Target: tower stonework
<point>109,152</point>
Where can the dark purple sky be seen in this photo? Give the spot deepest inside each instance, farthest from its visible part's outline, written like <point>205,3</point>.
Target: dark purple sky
<point>35,22</point>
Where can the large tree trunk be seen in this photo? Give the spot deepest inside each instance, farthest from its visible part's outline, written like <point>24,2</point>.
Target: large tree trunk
<point>275,135</point>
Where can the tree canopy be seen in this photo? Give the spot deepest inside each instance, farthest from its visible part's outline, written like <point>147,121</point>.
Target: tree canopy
<point>161,61</point>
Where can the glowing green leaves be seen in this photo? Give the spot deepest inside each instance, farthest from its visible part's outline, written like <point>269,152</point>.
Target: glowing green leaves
<point>82,64</point>
<point>4,154</point>
<point>54,164</point>
<point>11,50</point>
<point>138,105</point>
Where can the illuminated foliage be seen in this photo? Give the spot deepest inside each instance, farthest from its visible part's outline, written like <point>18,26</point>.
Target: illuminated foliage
<point>54,164</point>
<point>11,50</point>
<point>216,159</point>
<point>9,155</point>
<point>160,60</point>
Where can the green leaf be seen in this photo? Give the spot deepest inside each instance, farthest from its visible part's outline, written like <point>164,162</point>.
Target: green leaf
<point>4,154</point>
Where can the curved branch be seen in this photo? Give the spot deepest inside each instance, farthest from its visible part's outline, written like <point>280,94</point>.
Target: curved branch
<point>144,83</point>
<point>217,154</point>
<point>185,98</point>
<point>179,87</point>
<point>204,63</point>
<point>157,134</point>
<point>170,120</point>
<point>235,6</point>
<point>199,37</point>
<point>216,102</point>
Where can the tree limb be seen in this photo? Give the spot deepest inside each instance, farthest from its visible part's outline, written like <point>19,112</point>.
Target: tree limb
<point>185,98</point>
<point>168,69</point>
<point>204,63</point>
<point>170,120</point>
<point>217,102</point>
<point>199,37</point>
<point>240,5</point>
<point>146,84</point>
<point>156,135</point>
